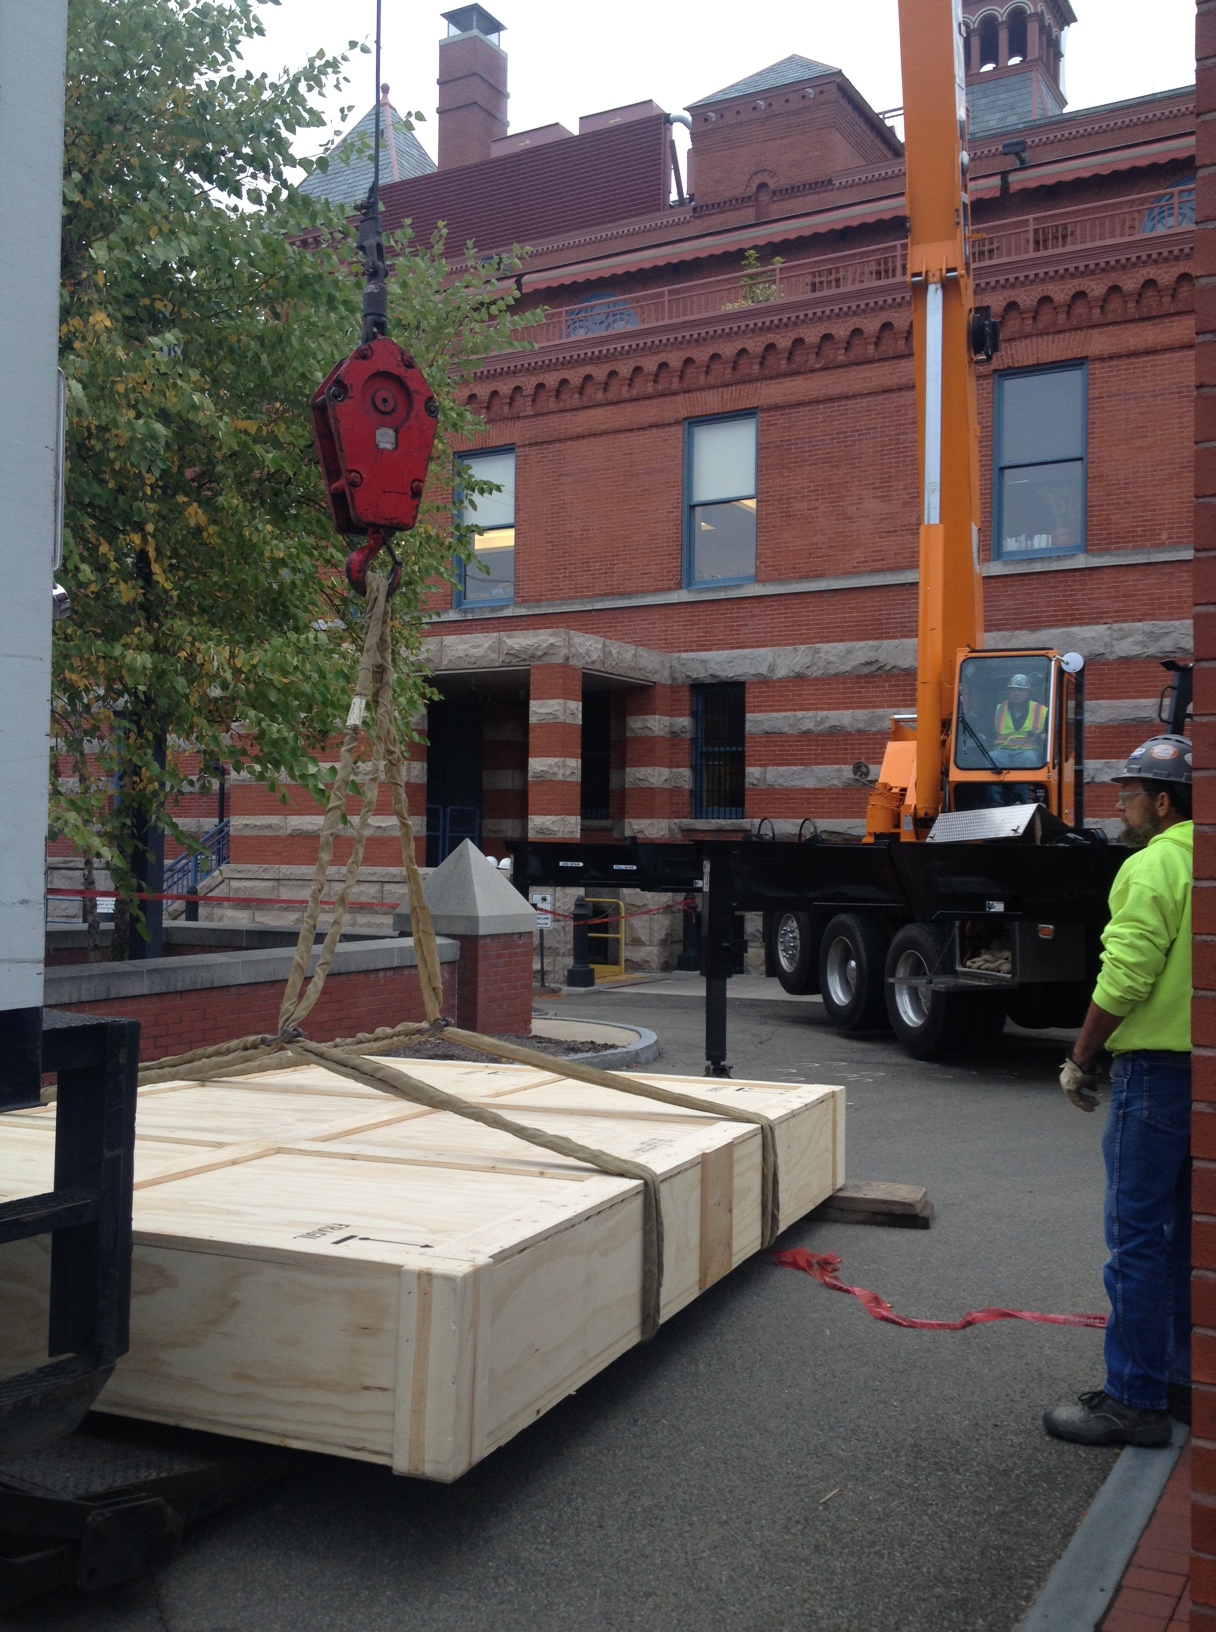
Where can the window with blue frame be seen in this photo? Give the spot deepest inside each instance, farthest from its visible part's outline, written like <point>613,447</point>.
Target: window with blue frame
<point>489,578</point>
<point>1040,435</point>
<point>720,500</point>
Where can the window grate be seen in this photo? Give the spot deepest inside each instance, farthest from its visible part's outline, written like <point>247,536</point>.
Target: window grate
<point>597,756</point>
<point>719,756</point>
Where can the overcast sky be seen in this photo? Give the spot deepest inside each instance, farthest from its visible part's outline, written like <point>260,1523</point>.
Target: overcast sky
<point>566,61</point>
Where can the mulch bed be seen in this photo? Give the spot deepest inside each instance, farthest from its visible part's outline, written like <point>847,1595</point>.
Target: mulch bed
<point>435,1048</point>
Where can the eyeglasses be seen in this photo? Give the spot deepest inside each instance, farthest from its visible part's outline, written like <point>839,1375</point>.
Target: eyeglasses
<point>1126,795</point>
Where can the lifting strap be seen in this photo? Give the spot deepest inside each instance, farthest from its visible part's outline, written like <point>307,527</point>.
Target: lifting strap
<point>257,1054</point>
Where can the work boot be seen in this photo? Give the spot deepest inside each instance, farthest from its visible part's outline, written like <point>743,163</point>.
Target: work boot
<point>1178,1402</point>
<point>1096,1419</point>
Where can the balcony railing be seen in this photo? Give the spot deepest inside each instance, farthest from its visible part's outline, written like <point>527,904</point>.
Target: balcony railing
<point>1049,233</point>
<point>1054,232</point>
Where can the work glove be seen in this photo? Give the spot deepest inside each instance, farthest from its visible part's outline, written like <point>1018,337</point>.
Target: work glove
<point>1080,1086</point>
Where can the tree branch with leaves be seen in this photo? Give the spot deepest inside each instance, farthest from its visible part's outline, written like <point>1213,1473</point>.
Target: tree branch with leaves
<point>207,622</point>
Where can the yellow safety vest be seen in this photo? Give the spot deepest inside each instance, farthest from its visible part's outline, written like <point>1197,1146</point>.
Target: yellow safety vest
<point>1009,735</point>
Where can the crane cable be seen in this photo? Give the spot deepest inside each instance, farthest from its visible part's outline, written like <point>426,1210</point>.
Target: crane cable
<point>255,1054</point>
<point>260,1053</point>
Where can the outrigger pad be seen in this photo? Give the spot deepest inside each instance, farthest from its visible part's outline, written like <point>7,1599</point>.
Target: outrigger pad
<point>905,1206</point>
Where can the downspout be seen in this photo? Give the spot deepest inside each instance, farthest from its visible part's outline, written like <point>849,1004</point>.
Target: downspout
<point>670,119</point>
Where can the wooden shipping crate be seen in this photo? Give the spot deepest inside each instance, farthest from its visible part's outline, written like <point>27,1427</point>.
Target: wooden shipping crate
<point>320,1265</point>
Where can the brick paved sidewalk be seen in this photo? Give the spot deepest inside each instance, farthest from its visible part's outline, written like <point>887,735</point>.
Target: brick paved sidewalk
<point>1153,1595</point>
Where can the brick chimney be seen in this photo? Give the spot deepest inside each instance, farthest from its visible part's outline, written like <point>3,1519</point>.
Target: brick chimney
<point>472,87</point>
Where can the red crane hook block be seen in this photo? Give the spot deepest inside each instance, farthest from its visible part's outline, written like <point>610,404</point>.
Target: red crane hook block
<point>374,421</point>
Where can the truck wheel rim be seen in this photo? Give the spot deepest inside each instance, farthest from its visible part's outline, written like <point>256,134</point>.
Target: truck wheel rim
<point>789,943</point>
<point>912,1002</point>
<point>842,972</point>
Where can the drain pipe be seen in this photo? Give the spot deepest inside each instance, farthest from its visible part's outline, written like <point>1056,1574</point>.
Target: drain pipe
<point>670,119</point>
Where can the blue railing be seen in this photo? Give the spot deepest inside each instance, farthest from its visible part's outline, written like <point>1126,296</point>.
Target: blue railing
<point>183,875</point>
<point>447,827</point>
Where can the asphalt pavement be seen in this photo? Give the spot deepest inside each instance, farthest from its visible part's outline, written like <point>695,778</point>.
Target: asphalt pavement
<point>776,1460</point>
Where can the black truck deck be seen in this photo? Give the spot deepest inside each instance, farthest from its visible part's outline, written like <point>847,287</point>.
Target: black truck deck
<point>1062,882</point>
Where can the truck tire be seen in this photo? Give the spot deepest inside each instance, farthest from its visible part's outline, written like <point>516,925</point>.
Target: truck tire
<point>852,957</point>
<point>793,951</point>
<point>930,1024</point>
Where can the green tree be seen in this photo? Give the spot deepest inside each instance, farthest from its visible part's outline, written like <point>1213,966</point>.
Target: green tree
<point>207,619</point>
<point>757,282</point>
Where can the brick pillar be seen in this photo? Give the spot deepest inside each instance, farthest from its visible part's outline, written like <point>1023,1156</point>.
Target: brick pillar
<point>473,904</point>
<point>504,781</point>
<point>555,752</point>
<point>1002,50</point>
<point>495,984</point>
<point>658,776</point>
<point>1033,53</point>
<point>1203,1122</point>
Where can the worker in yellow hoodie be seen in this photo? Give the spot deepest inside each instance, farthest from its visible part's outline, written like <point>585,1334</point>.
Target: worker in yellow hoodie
<point>1141,1011</point>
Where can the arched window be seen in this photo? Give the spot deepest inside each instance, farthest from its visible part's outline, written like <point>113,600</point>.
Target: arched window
<point>990,43</point>
<point>1017,36</point>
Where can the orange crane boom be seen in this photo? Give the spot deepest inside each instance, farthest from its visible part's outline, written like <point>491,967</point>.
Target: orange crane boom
<point>951,613</point>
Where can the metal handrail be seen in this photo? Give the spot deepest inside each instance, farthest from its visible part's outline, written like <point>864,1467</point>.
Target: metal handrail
<point>184,874</point>
<point>1046,233</point>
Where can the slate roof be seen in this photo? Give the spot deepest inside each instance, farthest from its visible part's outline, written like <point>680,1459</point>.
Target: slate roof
<point>789,71</point>
<point>348,178</point>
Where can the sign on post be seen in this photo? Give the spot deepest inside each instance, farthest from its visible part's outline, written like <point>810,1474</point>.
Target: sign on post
<point>542,902</point>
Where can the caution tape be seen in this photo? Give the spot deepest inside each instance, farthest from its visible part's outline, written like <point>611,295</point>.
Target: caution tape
<point>218,900</point>
<point>824,1265</point>
<point>688,904</point>
<point>368,906</point>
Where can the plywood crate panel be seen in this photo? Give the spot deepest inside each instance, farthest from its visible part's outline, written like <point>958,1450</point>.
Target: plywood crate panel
<point>320,1265</point>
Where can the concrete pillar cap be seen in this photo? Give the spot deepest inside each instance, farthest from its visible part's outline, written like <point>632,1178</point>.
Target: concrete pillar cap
<point>468,895</point>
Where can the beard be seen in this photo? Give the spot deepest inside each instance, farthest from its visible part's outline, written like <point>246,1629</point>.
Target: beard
<point>1135,838</point>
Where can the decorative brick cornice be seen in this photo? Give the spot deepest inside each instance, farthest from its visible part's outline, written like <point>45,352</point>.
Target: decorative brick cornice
<point>811,318</point>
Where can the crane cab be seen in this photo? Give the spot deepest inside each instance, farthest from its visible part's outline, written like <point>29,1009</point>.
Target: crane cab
<point>1015,737</point>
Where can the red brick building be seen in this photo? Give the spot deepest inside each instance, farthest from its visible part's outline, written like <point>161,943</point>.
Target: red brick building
<point>702,603</point>
<point>698,609</point>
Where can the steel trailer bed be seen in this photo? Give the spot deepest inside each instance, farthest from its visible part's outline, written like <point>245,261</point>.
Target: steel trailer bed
<point>1017,884</point>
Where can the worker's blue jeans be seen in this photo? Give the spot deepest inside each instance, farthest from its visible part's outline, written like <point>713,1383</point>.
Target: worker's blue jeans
<point>1148,1227</point>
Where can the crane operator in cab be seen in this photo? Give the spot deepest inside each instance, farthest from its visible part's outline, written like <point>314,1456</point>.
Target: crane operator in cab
<point>1019,728</point>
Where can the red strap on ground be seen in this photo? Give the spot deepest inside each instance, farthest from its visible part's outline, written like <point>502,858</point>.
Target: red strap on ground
<point>824,1265</point>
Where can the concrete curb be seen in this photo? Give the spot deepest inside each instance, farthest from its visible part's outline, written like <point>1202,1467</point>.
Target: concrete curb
<point>97,982</point>
<point>1081,1588</point>
<point>626,1058</point>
